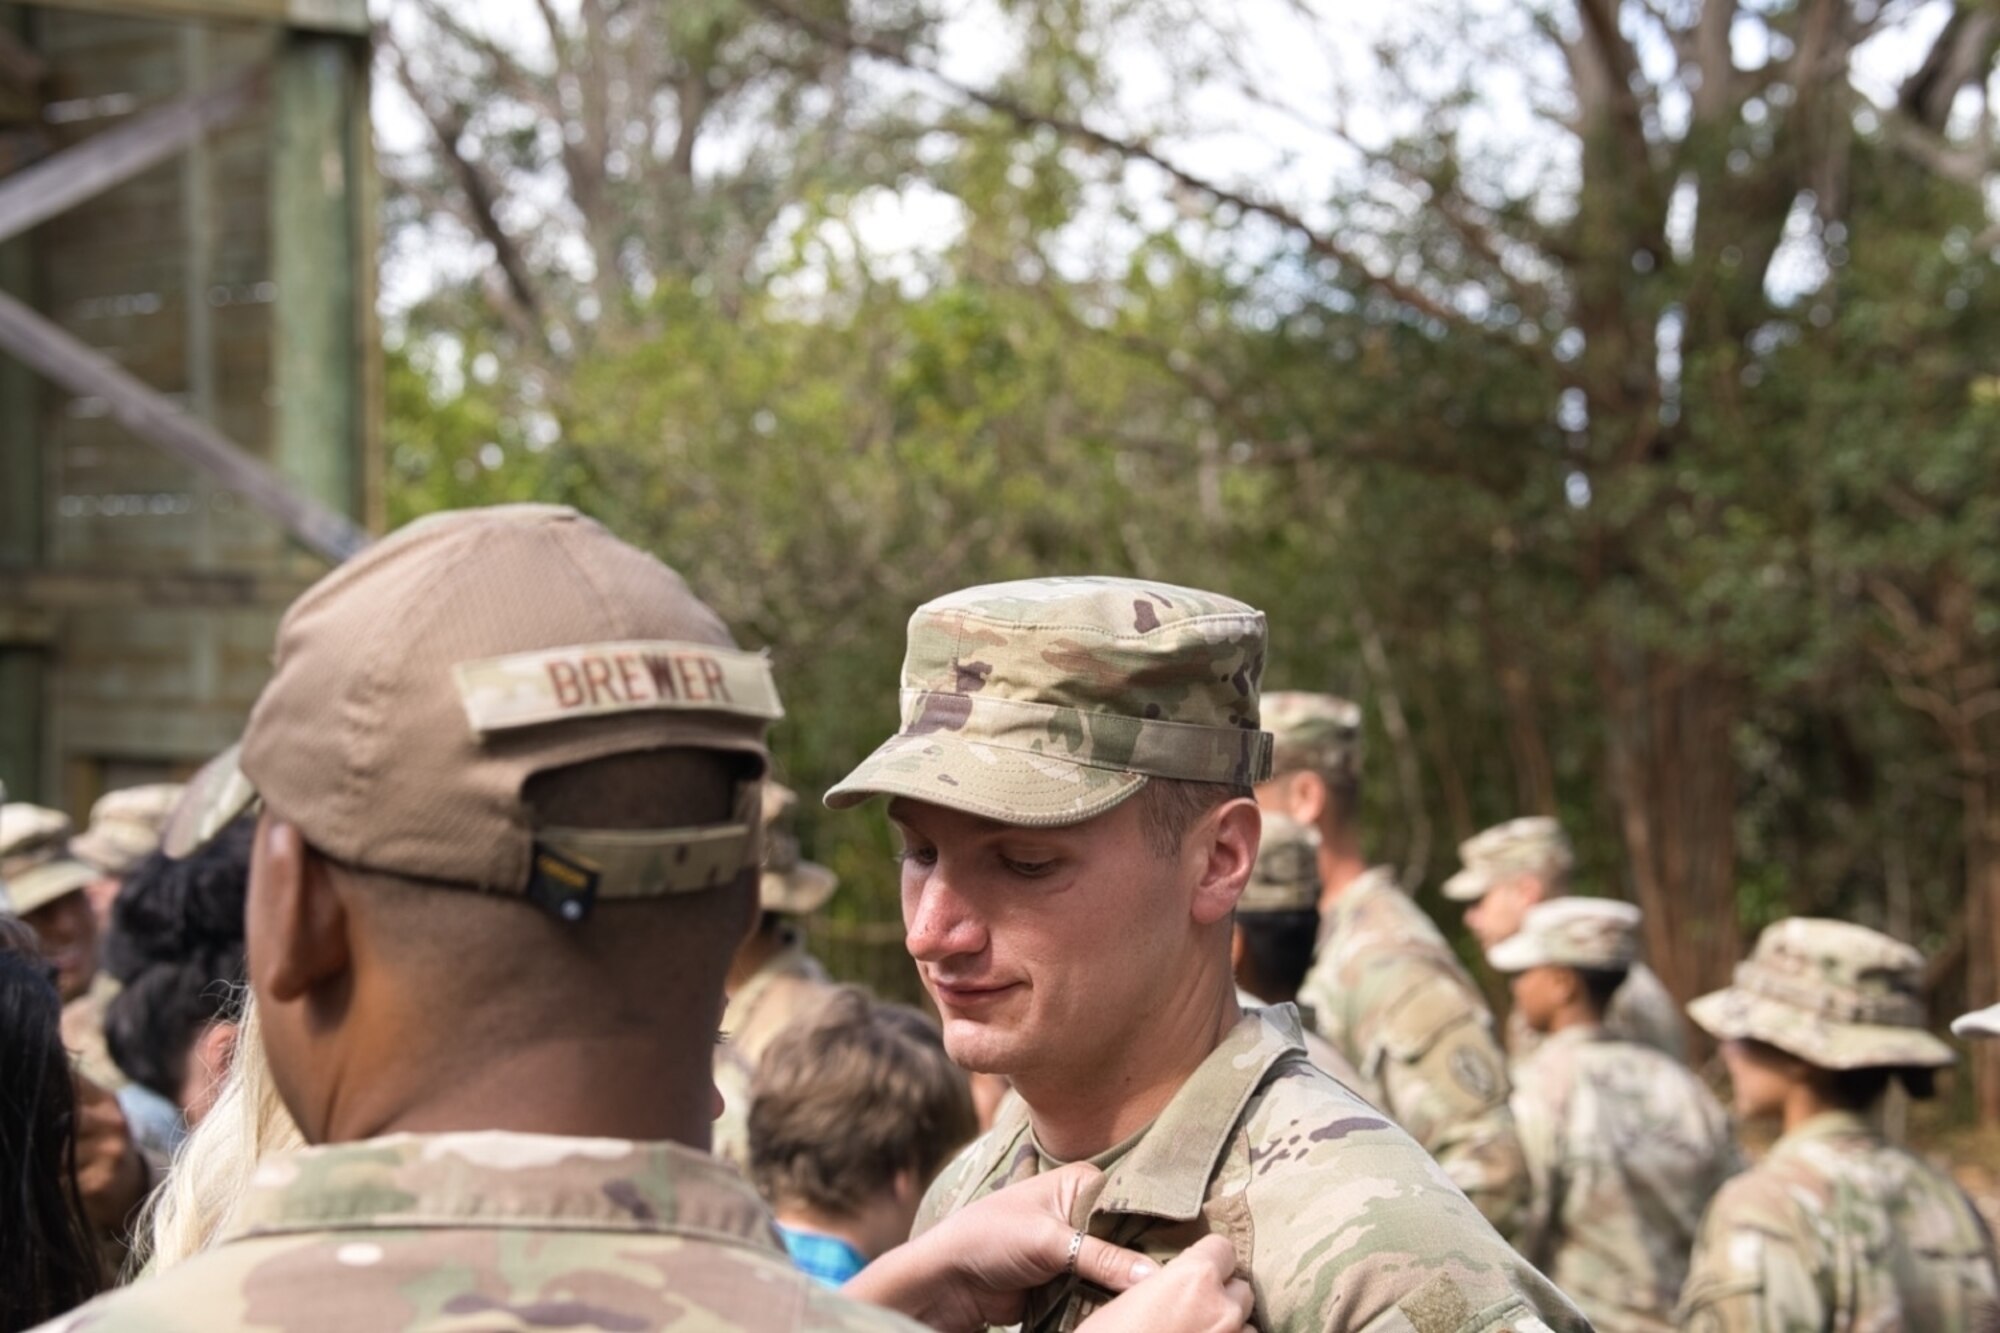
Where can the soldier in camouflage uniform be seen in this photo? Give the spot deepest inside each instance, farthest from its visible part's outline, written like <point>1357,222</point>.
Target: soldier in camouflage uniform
<point>125,828</point>
<point>1385,988</point>
<point>1070,782</point>
<point>1834,1229</point>
<point>772,980</point>
<point>48,886</point>
<point>1513,866</point>
<point>1625,1146</point>
<point>1277,926</point>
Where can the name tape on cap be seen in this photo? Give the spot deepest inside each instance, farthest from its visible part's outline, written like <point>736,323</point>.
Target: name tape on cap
<point>590,680</point>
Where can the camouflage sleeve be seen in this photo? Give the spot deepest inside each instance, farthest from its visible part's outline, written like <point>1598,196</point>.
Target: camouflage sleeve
<point>730,1137</point>
<point>1749,1277</point>
<point>950,1191</point>
<point>1444,1080</point>
<point>1322,996</point>
<point>1538,1125</point>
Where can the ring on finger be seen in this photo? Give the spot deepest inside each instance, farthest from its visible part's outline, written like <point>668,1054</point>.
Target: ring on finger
<point>1075,1249</point>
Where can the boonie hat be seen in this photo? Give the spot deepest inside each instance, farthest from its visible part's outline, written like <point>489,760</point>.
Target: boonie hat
<point>1979,1023</point>
<point>419,686</point>
<point>789,884</point>
<point>1596,934</point>
<point>35,864</point>
<point>1286,876</point>
<point>1535,845</point>
<point>1837,995</point>
<point>1049,701</point>
<point>1316,733</point>
<point>125,827</point>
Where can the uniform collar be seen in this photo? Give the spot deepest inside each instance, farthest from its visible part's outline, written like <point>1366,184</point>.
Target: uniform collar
<point>1166,1174</point>
<point>503,1181</point>
<point>1367,884</point>
<point>1828,1125</point>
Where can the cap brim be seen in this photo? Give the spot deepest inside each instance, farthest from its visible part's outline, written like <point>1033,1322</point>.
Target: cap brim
<point>1979,1023</point>
<point>105,854</point>
<point>44,884</point>
<point>1517,953</point>
<point>1006,785</point>
<point>214,798</point>
<point>1733,1014</point>
<point>802,890</point>
<point>1468,886</point>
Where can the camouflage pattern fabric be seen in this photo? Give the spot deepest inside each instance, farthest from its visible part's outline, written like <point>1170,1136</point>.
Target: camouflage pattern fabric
<point>1049,701</point>
<point>1625,1148</point>
<point>1390,995</point>
<point>1313,733</point>
<point>1641,1010</point>
<point>1339,1220</point>
<point>1318,1049</point>
<point>791,983</point>
<point>488,1231</point>
<point>1837,1230</point>
<point>83,1034</point>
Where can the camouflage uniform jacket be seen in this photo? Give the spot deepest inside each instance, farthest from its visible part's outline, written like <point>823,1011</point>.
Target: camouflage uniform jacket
<point>1339,1220</point>
<point>83,1034</point>
<point>1391,996</point>
<point>1642,1010</point>
<point>1837,1230</point>
<point>791,982</point>
<point>488,1231</point>
<point>1625,1148</point>
<point>1318,1049</point>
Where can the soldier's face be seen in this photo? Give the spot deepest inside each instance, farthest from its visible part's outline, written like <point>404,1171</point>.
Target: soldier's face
<point>1043,948</point>
<point>1760,1078</point>
<point>68,932</point>
<point>1497,915</point>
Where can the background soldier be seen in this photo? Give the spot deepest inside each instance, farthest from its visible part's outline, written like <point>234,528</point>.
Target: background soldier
<point>1625,1146</point>
<point>47,886</point>
<point>124,830</point>
<point>1071,781</point>
<point>1385,987</point>
<point>1835,1228</point>
<point>1277,926</point>
<point>772,979</point>
<point>1513,866</point>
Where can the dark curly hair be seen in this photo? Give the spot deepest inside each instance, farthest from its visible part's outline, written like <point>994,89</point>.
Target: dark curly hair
<point>176,942</point>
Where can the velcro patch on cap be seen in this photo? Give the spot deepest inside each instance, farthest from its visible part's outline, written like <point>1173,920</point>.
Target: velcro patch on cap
<point>591,680</point>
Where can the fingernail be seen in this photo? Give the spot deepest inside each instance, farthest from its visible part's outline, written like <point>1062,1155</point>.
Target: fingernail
<point>1143,1269</point>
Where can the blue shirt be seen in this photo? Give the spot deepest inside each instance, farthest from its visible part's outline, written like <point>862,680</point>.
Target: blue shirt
<point>827,1259</point>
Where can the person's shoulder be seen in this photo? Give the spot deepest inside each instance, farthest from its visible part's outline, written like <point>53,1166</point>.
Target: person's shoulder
<point>1774,1197</point>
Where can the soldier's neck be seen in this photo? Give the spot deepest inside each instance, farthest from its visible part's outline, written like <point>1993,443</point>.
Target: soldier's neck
<point>646,1086</point>
<point>1340,864</point>
<point>760,948</point>
<point>1080,1113</point>
<point>1803,1102</point>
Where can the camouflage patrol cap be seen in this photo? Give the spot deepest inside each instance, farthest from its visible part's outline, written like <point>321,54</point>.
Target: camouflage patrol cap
<point>1286,877</point>
<point>1596,934</point>
<point>1837,995</point>
<point>1049,701</point>
<point>789,884</point>
<point>1979,1023</point>
<point>35,863</point>
<point>1314,733</point>
<point>125,827</point>
<point>1535,845</point>
<point>420,685</point>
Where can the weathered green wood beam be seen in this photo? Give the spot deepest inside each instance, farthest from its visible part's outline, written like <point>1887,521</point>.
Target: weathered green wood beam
<point>152,416</point>
<point>87,169</point>
<point>342,16</point>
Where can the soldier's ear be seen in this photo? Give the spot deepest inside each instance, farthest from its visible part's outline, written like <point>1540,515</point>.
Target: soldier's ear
<point>1308,797</point>
<point>296,926</point>
<point>1227,843</point>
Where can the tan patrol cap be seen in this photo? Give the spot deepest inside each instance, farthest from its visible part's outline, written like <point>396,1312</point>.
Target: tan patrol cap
<point>125,827</point>
<point>1979,1023</point>
<point>790,884</point>
<point>1535,845</point>
<point>1833,993</point>
<point>1049,701</point>
<point>35,864</point>
<point>1286,877</point>
<point>1596,934</point>
<point>420,685</point>
<point>1313,733</point>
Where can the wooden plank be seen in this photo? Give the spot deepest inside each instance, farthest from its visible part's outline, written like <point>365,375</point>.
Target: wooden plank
<point>51,350</point>
<point>341,16</point>
<point>67,178</point>
<point>72,590</point>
